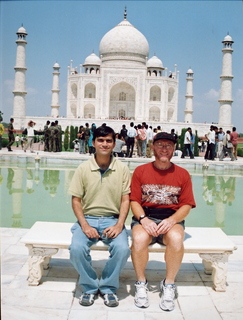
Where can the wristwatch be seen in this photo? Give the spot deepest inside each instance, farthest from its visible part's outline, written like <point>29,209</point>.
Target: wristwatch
<point>141,217</point>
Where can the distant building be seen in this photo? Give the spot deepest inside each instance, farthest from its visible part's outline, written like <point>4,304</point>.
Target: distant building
<point>122,83</point>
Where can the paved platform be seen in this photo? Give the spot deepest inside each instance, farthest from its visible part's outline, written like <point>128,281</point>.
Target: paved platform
<point>56,298</point>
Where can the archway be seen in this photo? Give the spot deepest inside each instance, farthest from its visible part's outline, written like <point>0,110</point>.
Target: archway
<point>155,93</point>
<point>122,101</point>
<point>73,110</point>
<point>74,91</point>
<point>154,114</point>
<point>90,91</point>
<point>89,111</point>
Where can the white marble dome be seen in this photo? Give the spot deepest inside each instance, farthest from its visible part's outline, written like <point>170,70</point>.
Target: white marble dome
<point>93,60</point>
<point>56,65</point>
<point>124,40</point>
<point>190,71</point>
<point>228,38</point>
<point>155,62</point>
<point>22,30</point>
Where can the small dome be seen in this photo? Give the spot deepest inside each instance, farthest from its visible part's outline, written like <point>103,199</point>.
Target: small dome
<point>190,71</point>
<point>22,30</point>
<point>155,62</point>
<point>228,38</point>
<point>56,65</point>
<point>93,60</point>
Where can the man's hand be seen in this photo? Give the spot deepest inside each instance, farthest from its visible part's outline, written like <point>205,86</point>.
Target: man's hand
<point>90,232</point>
<point>150,226</point>
<point>165,225</point>
<point>113,231</point>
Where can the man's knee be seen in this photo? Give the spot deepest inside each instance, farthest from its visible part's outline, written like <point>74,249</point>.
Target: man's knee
<point>175,238</point>
<point>140,238</point>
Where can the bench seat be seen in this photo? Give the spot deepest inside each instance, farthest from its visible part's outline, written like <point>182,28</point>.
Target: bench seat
<point>44,240</point>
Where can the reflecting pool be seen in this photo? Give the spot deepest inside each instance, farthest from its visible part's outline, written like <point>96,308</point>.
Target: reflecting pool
<point>29,193</point>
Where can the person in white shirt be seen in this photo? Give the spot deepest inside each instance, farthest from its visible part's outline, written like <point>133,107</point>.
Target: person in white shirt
<point>149,141</point>
<point>187,144</point>
<point>30,136</point>
<point>131,134</point>
<point>210,152</point>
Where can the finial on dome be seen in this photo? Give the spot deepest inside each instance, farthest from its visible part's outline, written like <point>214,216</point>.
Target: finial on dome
<point>125,13</point>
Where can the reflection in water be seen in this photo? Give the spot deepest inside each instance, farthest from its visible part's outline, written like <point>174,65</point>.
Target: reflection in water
<point>29,181</point>
<point>15,187</point>
<point>51,181</point>
<point>31,194</point>
<point>219,191</point>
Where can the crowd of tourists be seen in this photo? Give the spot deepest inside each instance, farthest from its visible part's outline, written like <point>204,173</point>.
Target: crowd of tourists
<point>136,140</point>
<point>220,144</point>
<point>135,137</point>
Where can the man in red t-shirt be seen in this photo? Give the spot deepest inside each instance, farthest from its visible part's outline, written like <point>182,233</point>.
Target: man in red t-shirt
<point>161,198</point>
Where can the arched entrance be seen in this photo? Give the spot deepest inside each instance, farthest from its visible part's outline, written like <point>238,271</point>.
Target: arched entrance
<point>122,101</point>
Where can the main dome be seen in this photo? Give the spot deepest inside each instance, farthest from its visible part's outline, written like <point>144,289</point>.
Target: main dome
<point>124,42</point>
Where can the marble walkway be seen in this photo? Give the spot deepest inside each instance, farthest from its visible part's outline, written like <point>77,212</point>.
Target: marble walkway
<point>56,298</point>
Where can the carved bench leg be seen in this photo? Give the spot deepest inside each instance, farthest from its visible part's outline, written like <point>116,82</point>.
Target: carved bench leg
<point>208,269</point>
<point>38,259</point>
<point>219,265</point>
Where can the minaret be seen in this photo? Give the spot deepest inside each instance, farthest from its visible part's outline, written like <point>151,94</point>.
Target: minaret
<point>189,96</point>
<point>20,69</point>
<point>55,91</point>
<point>225,100</point>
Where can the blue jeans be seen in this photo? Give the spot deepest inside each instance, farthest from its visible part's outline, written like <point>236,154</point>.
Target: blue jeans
<point>82,262</point>
<point>82,146</point>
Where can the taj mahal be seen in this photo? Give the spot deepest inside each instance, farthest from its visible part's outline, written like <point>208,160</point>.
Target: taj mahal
<point>121,85</point>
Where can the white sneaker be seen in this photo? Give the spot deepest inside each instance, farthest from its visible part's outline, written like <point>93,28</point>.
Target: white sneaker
<point>87,299</point>
<point>168,294</point>
<point>141,297</point>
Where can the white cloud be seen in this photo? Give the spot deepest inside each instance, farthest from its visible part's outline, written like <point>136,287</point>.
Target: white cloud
<point>212,94</point>
<point>9,84</point>
<point>31,91</point>
<point>239,95</point>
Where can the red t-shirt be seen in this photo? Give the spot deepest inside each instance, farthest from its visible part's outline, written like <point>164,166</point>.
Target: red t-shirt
<point>171,188</point>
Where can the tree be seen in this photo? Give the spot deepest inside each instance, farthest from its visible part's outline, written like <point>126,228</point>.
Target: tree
<point>181,139</point>
<point>66,139</point>
<point>196,150</point>
<point>72,137</point>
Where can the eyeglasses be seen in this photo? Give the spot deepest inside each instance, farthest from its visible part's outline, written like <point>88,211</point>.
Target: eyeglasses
<point>163,146</point>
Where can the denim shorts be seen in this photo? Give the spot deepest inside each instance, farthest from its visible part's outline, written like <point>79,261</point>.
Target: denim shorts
<point>158,239</point>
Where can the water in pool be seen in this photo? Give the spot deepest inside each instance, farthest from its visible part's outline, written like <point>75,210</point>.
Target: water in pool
<point>29,194</point>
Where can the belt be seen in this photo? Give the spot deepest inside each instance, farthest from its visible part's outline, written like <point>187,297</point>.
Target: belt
<point>161,213</point>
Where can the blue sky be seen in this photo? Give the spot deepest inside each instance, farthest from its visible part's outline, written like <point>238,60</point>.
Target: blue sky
<point>186,33</point>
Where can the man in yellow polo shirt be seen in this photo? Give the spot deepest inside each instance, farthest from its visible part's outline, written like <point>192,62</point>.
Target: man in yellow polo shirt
<point>100,200</point>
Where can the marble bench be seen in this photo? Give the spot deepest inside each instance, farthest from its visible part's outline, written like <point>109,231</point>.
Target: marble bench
<point>44,240</point>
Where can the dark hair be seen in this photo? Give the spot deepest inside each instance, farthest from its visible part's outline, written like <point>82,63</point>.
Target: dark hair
<point>104,131</point>
<point>131,124</point>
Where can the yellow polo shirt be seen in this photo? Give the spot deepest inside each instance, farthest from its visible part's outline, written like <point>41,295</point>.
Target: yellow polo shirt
<point>100,193</point>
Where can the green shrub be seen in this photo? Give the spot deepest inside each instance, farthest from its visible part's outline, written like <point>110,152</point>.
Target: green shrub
<point>4,142</point>
<point>196,150</point>
<point>66,139</point>
<point>240,152</point>
<point>72,137</point>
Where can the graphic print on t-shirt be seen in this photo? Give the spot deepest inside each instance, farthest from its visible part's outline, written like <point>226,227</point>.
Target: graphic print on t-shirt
<point>160,194</point>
